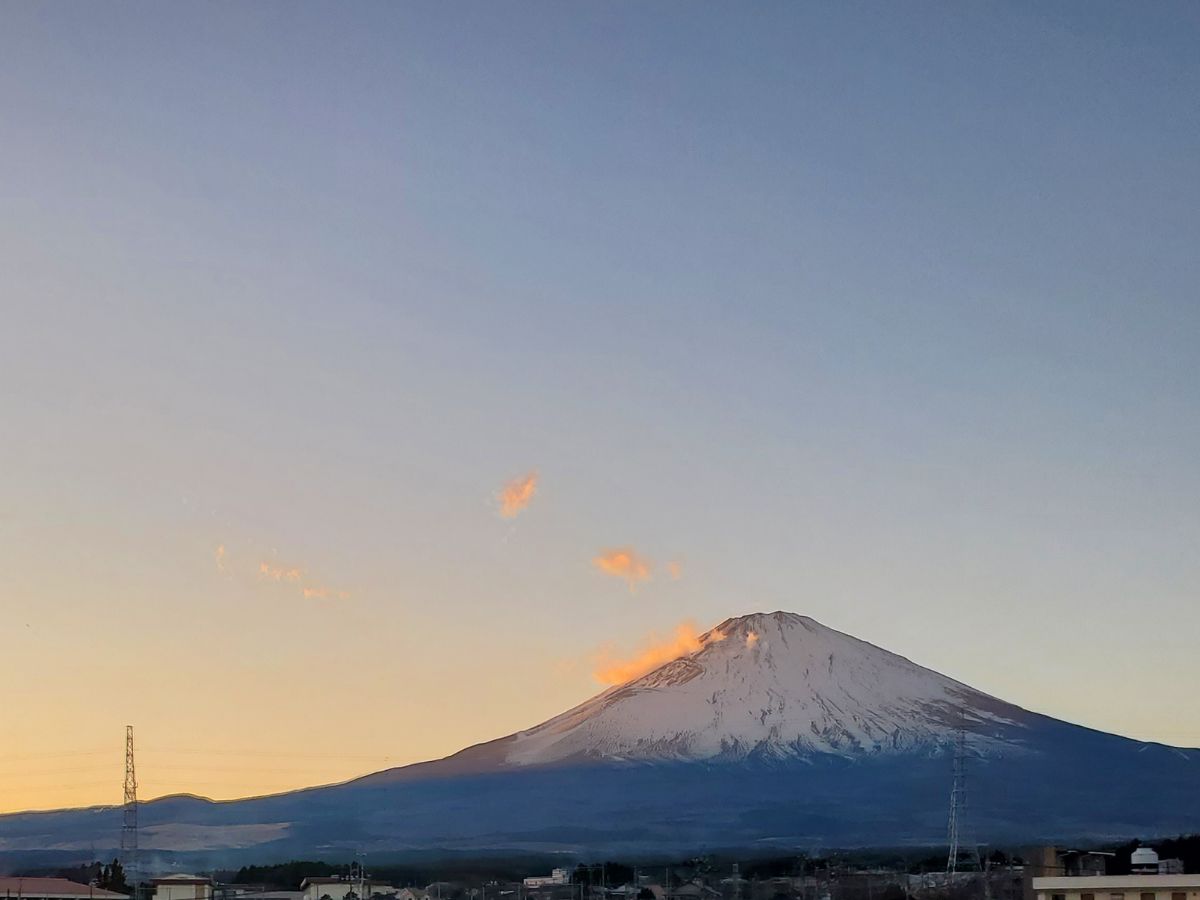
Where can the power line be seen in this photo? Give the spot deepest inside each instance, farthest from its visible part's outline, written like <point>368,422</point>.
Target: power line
<point>59,787</point>
<point>106,752</point>
<point>270,754</point>
<point>24,773</point>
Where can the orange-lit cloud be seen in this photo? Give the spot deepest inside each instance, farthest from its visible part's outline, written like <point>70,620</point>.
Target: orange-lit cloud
<point>309,589</point>
<point>624,562</point>
<point>654,653</point>
<point>675,569</point>
<point>219,557</point>
<point>517,495</point>
<point>751,639</point>
<point>279,573</point>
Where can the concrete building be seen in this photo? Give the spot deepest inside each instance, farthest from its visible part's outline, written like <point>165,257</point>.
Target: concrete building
<point>1118,887</point>
<point>53,889</point>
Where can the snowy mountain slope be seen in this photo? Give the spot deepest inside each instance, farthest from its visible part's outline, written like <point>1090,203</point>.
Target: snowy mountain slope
<point>777,732</point>
<point>775,685</point>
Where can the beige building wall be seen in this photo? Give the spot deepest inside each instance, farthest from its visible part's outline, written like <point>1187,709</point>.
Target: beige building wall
<point>1120,887</point>
<point>183,891</point>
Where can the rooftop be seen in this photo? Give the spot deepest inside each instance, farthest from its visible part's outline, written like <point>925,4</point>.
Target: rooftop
<point>54,887</point>
<point>337,879</point>
<point>1083,882</point>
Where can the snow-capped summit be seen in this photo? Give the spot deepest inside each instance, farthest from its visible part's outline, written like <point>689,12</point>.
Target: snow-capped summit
<point>774,685</point>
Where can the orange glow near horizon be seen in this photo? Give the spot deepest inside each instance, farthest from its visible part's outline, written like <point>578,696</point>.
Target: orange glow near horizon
<point>93,777</point>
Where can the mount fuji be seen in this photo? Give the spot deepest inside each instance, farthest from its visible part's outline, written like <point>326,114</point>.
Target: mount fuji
<point>771,687</point>
<point>776,733</point>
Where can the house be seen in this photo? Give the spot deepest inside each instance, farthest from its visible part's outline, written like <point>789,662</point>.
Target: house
<point>53,889</point>
<point>334,888</point>
<point>694,890</point>
<point>183,887</point>
<point>556,877</point>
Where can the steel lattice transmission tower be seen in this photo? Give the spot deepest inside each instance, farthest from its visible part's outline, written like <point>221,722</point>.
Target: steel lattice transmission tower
<point>958,796</point>
<point>129,828</point>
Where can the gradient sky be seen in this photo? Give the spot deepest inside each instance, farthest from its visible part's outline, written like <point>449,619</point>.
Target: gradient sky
<point>882,313</point>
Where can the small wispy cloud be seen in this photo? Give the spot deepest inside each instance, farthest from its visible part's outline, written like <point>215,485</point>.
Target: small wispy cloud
<point>241,568</point>
<point>298,576</point>
<point>675,569</point>
<point>516,496</point>
<point>279,573</point>
<point>656,650</point>
<point>626,563</point>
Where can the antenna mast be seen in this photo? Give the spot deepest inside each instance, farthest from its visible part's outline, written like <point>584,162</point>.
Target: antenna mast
<point>958,795</point>
<point>129,829</point>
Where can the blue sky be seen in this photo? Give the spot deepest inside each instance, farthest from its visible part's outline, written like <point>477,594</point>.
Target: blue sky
<point>885,314</point>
